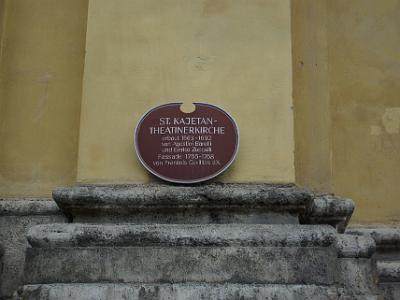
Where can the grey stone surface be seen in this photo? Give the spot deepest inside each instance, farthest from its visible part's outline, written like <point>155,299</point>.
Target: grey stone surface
<point>1,260</point>
<point>356,269</point>
<point>352,246</point>
<point>208,241</point>
<point>161,203</point>
<point>290,265</point>
<point>386,237</point>
<point>28,207</point>
<point>90,235</point>
<point>191,215</point>
<point>236,253</point>
<point>387,256</point>
<point>156,194</point>
<point>390,290</point>
<point>181,292</point>
<point>358,276</point>
<point>328,209</point>
<point>16,217</point>
<point>207,203</point>
<point>389,271</point>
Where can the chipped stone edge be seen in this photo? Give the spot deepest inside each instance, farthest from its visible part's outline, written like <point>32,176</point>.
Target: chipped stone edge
<point>352,246</point>
<point>28,207</point>
<point>385,236</point>
<point>123,235</point>
<point>81,200</point>
<point>388,271</point>
<point>329,209</point>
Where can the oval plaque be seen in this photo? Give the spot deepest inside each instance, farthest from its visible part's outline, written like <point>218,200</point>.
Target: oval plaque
<point>186,147</point>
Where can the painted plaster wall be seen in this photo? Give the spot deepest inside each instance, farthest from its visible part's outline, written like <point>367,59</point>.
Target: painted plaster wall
<point>364,59</point>
<point>346,68</point>
<point>2,29</point>
<point>142,53</point>
<point>41,67</point>
<point>312,122</point>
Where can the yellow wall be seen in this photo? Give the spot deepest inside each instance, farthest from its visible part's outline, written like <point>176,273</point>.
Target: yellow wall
<point>2,29</point>
<point>235,54</point>
<point>42,57</point>
<point>312,120</point>
<point>365,96</point>
<point>359,69</point>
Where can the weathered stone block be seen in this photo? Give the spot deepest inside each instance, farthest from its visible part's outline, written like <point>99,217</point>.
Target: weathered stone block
<point>387,256</point>
<point>235,253</point>
<point>390,290</point>
<point>180,292</point>
<point>161,203</point>
<point>93,235</point>
<point>386,237</point>
<point>328,209</point>
<point>16,217</point>
<point>389,271</point>
<point>356,268</point>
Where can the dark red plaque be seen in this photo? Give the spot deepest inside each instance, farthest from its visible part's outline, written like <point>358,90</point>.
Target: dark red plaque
<point>186,147</point>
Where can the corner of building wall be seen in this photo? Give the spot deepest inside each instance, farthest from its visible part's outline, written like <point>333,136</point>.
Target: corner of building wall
<point>77,173</point>
<point>2,31</point>
<point>3,10</point>
<point>12,25</point>
<point>312,119</point>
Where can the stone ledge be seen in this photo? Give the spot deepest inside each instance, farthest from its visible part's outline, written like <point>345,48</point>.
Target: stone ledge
<point>351,246</point>
<point>85,235</point>
<point>216,203</point>
<point>157,264</point>
<point>179,292</point>
<point>328,209</point>
<point>28,207</point>
<point>388,271</point>
<point>16,216</point>
<point>385,236</point>
<point>390,290</point>
<point>163,194</point>
<point>123,199</point>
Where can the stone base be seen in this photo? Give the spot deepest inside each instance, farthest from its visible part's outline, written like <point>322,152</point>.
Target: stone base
<point>180,292</point>
<point>16,217</point>
<point>390,290</point>
<point>211,241</point>
<point>387,256</point>
<point>202,204</point>
<point>179,253</point>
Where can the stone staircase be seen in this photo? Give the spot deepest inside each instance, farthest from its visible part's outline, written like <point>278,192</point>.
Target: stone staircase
<point>387,256</point>
<point>216,241</point>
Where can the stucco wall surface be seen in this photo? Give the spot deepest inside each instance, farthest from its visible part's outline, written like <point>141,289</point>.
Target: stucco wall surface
<point>364,56</point>
<point>140,54</point>
<point>235,54</point>
<point>346,68</point>
<point>312,115</point>
<point>41,69</point>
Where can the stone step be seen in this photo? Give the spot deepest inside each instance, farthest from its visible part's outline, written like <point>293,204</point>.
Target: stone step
<point>356,270</point>
<point>328,209</point>
<point>161,203</point>
<point>92,235</point>
<point>202,204</point>
<point>387,255</point>
<point>390,290</point>
<point>386,237</point>
<point>165,253</point>
<point>16,216</point>
<point>389,271</point>
<point>191,291</point>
